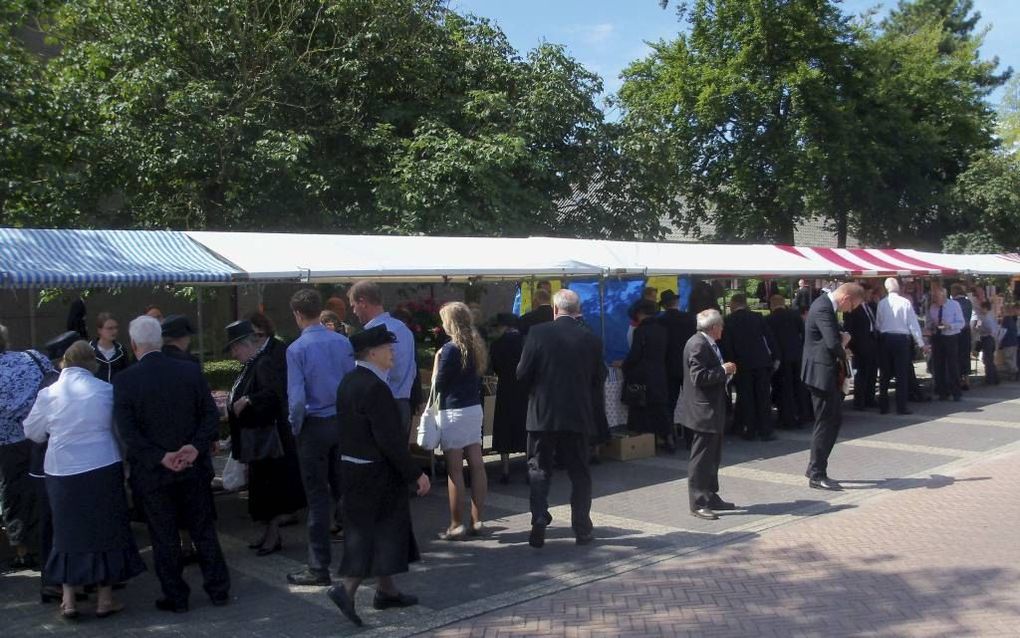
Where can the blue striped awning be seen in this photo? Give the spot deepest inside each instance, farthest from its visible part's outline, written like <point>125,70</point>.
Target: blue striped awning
<point>33,258</point>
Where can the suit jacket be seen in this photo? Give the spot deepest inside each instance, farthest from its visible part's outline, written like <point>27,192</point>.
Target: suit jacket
<point>646,361</point>
<point>748,341</point>
<point>160,405</point>
<point>787,327</point>
<point>802,299</point>
<point>561,367</point>
<point>264,381</point>
<point>680,327</point>
<point>538,316</point>
<point>823,348</point>
<point>370,426</point>
<point>703,401</point>
<point>863,338</point>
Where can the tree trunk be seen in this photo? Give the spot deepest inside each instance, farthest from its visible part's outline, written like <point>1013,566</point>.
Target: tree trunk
<point>841,229</point>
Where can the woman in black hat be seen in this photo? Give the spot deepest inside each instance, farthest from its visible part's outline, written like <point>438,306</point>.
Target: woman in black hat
<point>376,469</point>
<point>260,434</point>
<point>509,434</point>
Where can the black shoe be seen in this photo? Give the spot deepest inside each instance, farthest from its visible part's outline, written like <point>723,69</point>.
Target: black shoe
<point>705,513</point>
<point>904,412</point>
<point>722,506</point>
<point>537,537</point>
<point>883,410</point>
<point>266,551</point>
<point>189,556</point>
<point>748,436</point>
<point>767,437</point>
<point>824,483</point>
<point>584,539</point>
<point>309,578</point>
<point>19,563</point>
<point>165,604</point>
<point>957,399</point>
<point>339,596</point>
<point>220,599</point>
<point>385,601</point>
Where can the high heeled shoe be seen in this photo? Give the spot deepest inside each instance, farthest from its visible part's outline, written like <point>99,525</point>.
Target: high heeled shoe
<point>68,612</point>
<point>266,551</point>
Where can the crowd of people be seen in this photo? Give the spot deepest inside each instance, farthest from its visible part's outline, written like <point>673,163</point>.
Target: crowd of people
<point>95,432</point>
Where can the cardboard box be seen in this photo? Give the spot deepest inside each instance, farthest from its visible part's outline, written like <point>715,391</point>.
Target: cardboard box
<point>633,446</point>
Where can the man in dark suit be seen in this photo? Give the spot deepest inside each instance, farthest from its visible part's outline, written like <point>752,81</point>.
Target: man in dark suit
<point>789,393</point>
<point>803,297</point>
<point>680,327</point>
<point>564,374</point>
<point>167,420</point>
<point>704,412</point>
<point>864,345</point>
<point>748,342</point>
<point>542,311</point>
<point>824,358</point>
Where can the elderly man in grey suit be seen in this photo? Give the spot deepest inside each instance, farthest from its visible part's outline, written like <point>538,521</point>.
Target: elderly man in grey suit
<point>704,411</point>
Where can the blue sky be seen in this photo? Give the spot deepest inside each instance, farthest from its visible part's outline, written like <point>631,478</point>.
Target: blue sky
<point>606,35</point>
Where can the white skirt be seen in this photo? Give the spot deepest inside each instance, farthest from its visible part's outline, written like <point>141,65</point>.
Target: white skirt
<point>460,427</point>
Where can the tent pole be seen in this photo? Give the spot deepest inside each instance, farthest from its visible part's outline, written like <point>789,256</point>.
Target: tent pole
<point>31,319</point>
<point>201,326</point>
<point>602,306</point>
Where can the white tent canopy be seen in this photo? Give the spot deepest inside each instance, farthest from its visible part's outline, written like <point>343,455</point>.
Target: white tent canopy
<point>332,258</point>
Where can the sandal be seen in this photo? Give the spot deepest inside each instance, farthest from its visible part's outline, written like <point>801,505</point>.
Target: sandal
<point>109,611</point>
<point>453,534</point>
<point>68,612</point>
<point>477,529</point>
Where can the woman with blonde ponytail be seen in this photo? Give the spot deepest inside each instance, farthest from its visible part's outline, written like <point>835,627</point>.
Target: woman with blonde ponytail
<point>457,380</point>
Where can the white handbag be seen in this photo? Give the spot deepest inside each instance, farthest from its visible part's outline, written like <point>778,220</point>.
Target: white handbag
<point>235,475</point>
<point>428,425</point>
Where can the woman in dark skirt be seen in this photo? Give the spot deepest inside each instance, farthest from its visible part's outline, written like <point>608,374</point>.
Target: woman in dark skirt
<point>258,410</point>
<point>376,469</point>
<point>509,432</point>
<point>645,366</point>
<point>92,540</point>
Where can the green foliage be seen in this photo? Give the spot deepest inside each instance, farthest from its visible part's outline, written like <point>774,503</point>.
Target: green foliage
<point>333,115</point>
<point>1008,127</point>
<point>221,374</point>
<point>988,194</point>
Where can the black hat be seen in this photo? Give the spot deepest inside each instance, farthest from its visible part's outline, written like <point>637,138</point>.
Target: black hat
<point>177,326</point>
<point>667,297</point>
<point>371,338</point>
<point>237,331</point>
<point>57,346</point>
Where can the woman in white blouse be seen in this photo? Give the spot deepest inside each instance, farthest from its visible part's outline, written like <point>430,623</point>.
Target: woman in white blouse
<point>92,540</point>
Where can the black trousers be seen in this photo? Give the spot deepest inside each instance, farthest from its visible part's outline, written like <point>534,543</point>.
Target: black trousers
<point>896,355</point>
<point>945,364</point>
<point>828,406</point>
<point>988,358</point>
<point>963,351</point>
<point>703,469</point>
<point>189,500</point>
<point>18,495</point>
<point>753,388</point>
<point>570,448</point>
<point>865,377</point>
<point>318,447</point>
<point>790,395</point>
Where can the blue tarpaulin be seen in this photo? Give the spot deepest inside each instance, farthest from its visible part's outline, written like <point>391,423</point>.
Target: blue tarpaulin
<point>34,258</point>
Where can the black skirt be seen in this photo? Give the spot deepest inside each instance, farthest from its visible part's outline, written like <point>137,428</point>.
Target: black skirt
<point>653,418</point>
<point>92,540</point>
<point>274,485</point>
<point>378,539</point>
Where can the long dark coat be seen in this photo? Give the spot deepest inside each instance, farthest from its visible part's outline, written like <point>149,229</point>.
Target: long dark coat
<point>646,364</point>
<point>509,425</point>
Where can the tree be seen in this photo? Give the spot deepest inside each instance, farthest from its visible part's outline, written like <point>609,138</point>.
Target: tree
<point>988,194</point>
<point>371,116</point>
<point>1008,126</point>
<point>745,117</point>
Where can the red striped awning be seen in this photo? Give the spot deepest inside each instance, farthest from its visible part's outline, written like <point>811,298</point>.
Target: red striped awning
<point>872,262</point>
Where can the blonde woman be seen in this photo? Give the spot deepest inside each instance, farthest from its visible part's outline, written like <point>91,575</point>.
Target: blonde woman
<point>458,381</point>
<point>92,540</point>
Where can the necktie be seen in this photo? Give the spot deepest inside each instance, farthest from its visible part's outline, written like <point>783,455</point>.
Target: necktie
<point>938,329</point>
<point>871,320</point>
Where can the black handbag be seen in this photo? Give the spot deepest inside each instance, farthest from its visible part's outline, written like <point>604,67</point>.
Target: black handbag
<point>635,395</point>
<point>260,443</point>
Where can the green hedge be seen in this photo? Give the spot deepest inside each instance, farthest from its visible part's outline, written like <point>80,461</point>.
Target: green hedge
<point>221,374</point>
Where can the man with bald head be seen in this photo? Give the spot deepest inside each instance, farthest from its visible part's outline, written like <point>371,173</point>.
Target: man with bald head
<point>897,324</point>
<point>563,371</point>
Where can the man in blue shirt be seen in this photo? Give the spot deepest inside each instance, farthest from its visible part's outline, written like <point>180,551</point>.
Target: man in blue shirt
<point>945,321</point>
<point>316,362</point>
<point>366,301</point>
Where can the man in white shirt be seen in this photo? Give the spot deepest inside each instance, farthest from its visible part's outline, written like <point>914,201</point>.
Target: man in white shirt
<point>945,321</point>
<point>897,324</point>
